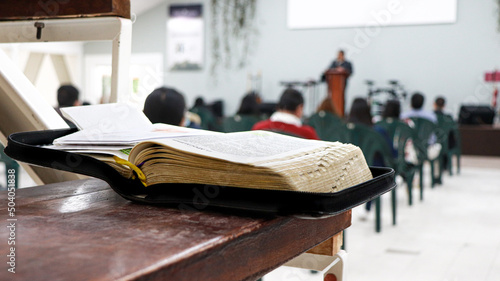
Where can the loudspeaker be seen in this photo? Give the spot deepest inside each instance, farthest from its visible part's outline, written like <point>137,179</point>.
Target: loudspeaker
<point>476,115</point>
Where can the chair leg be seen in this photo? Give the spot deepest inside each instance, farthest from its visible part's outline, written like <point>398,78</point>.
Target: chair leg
<point>377,214</point>
<point>421,173</point>
<point>450,164</point>
<point>409,185</point>
<point>394,206</point>
<point>438,165</point>
<point>433,178</point>
<point>344,234</point>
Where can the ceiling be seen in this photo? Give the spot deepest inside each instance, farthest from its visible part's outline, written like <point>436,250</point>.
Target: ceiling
<point>139,6</point>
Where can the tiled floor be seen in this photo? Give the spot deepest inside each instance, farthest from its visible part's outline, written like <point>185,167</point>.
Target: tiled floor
<point>453,235</point>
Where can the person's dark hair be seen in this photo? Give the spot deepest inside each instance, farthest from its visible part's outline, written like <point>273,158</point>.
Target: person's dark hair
<point>392,109</point>
<point>440,102</point>
<point>165,105</point>
<point>290,100</point>
<point>417,100</point>
<point>249,104</point>
<point>360,112</point>
<point>67,95</point>
<point>199,102</point>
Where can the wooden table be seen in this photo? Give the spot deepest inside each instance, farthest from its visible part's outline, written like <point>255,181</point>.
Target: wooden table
<point>82,230</point>
<point>480,140</point>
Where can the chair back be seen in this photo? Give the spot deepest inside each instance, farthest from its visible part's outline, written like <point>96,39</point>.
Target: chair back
<point>9,164</point>
<point>428,133</point>
<point>328,126</point>
<point>372,143</point>
<point>6,159</point>
<point>239,123</point>
<point>449,132</point>
<point>403,138</point>
<point>208,120</point>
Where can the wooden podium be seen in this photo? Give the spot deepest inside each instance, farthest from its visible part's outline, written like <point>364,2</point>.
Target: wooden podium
<point>336,80</point>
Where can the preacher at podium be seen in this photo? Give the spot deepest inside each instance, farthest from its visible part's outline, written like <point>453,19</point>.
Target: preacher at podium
<point>341,64</point>
<point>336,77</point>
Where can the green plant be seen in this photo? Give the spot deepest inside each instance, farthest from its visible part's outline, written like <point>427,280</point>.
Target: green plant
<point>233,32</point>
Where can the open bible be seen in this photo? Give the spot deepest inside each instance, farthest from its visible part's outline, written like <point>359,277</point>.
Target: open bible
<point>253,159</point>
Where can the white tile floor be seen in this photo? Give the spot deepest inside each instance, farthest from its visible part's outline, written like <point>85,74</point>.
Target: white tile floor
<point>453,235</point>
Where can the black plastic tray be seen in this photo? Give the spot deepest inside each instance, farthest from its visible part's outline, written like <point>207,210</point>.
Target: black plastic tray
<point>25,147</point>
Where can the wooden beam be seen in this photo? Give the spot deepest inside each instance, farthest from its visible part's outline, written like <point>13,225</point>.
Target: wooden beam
<point>330,247</point>
<point>23,108</point>
<point>33,66</point>
<point>62,69</point>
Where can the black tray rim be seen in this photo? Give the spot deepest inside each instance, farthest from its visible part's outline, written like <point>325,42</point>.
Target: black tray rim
<point>25,147</point>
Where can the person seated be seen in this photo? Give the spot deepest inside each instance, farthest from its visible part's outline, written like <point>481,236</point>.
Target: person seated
<point>249,105</point>
<point>445,121</point>
<point>327,106</point>
<point>417,103</point>
<point>439,103</point>
<point>360,113</point>
<point>443,118</point>
<point>287,119</point>
<point>439,106</point>
<point>165,105</point>
<point>328,125</point>
<point>208,119</point>
<point>67,95</point>
<point>247,115</point>
<point>391,113</point>
<point>392,110</point>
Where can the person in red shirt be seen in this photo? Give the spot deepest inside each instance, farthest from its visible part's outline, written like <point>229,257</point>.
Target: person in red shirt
<point>287,119</point>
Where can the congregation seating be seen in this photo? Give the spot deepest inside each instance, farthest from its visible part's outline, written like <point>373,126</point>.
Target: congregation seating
<point>407,141</point>
<point>411,141</point>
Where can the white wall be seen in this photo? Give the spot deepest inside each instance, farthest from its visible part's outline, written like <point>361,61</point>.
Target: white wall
<point>448,59</point>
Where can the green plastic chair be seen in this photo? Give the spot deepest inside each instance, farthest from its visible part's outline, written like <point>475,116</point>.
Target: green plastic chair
<point>372,143</point>
<point>426,131</point>
<point>208,120</point>
<point>400,133</point>
<point>328,126</point>
<point>239,123</point>
<point>457,150</point>
<point>9,164</point>
<point>452,135</point>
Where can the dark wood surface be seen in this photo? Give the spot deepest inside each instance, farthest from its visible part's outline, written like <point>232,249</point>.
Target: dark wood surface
<point>82,230</point>
<point>483,140</point>
<point>49,9</point>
